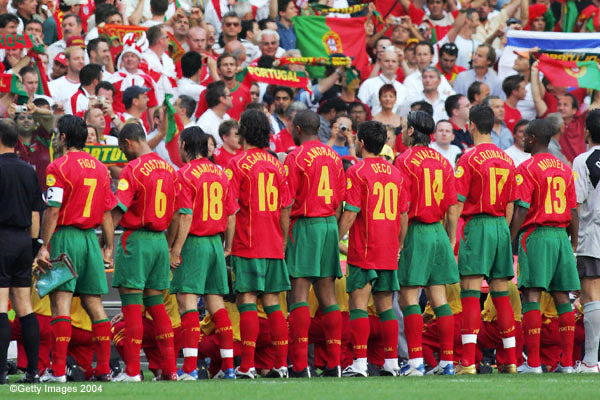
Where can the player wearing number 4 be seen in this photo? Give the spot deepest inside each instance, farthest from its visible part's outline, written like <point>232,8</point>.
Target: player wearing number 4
<point>376,214</point>
<point>79,200</point>
<point>255,238</point>
<point>146,193</point>
<point>546,205</point>
<point>204,206</point>
<point>486,187</point>
<point>317,183</point>
<point>426,259</point>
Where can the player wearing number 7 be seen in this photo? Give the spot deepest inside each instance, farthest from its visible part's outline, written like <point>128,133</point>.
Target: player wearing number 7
<point>486,187</point>
<point>546,205</point>
<point>146,192</point>
<point>427,259</point>
<point>79,200</point>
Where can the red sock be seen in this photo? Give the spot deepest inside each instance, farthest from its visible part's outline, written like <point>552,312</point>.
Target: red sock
<point>566,328</point>
<point>333,334</point>
<point>506,323</point>
<point>359,324</point>
<point>61,332</point>
<point>165,338</point>
<point>299,320</point>
<point>429,357</point>
<point>249,333</point>
<point>471,318</point>
<point>134,333</point>
<point>190,324</point>
<point>101,339</point>
<point>532,325</point>
<point>446,328</point>
<point>279,335</point>
<point>413,329</point>
<point>390,337</point>
<point>224,334</point>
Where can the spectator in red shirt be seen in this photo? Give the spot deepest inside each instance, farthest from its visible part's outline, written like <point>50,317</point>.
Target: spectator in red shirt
<point>228,132</point>
<point>572,142</point>
<point>447,62</point>
<point>514,88</point>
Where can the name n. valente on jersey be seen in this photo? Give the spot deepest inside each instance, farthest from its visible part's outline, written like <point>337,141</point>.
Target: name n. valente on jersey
<point>421,155</point>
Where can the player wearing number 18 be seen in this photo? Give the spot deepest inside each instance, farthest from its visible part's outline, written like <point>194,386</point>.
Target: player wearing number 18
<point>546,205</point>
<point>426,259</point>
<point>485,182</point>
<point>146,192</point>
<point>79,200</point>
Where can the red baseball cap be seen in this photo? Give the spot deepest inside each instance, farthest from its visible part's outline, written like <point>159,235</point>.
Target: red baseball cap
<point>76,41</point>
<point>61,59</point>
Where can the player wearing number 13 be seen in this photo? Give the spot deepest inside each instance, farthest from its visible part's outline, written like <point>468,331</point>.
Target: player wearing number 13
<point>426,259</point>
<point>546,205</point>
<point>146,191</point>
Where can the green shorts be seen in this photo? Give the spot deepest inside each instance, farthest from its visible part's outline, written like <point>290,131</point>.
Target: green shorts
<point>485,248</point>
<point>381,280</point>
<point>83,249</point>
<point>142,261</point>
<point>261,275</point>
<point>202,269</point>
<point>427,258</point>
<point>313,250</point>
<point>546,260</point>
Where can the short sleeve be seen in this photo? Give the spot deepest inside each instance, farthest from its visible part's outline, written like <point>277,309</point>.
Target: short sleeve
<point>234,179</point>
<point>231,205</point>
<point>291,173</point>
<point>571,195</point>
<point>284,190</point>
<point>463,179</point>
<point>354,190</point>
<point>583,185</point>
<point>56,186</point>
<point>524,187</point>
<point>450,196</point>
<point>341,185</point>
<point>185,201</point>
<point>403,196</point>
<point>110,200</point>
<point>126,188</point>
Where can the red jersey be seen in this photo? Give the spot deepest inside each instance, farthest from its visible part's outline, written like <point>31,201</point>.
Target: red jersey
<point>430,182</point>
<point>450,76</point>
<point>284,141</point>
<point>146,193</point>
<point>205,194</point>
<point>240,97</point>
<point>546,187</point>
<point>511,117</point>
<point>257,181</point>
<point>485,181</point>
<point>79,184</point>
<point>375,190</point>
<point>316,179</point>
<point>222,156</point>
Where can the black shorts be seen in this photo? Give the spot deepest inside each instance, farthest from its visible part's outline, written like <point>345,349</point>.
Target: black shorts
<point>15,258</point>
<point>588,267</point>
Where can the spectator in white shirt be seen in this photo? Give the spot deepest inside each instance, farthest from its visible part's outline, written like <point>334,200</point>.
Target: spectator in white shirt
<point>160,66</point>
<point>63,88</point>
<point>424,57</point>
<point>99,53</point>
<point>443,137</point>
<point>431,78</point>
<point>219,101</point>
<point>516,152</point>
<point>71,26</point>
<point>184,107</point>
<point>158,9</point>
<point>191,68</point>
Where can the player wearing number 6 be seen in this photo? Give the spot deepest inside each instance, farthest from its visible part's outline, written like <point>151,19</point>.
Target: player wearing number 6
<point>146,191</point>
<point>256,239</point>
<point>426,259</point>
<point>546,205</point>
<point>318,185</point>
<point>204,206</point>
<point>79,200</point>
<point>486,187</point>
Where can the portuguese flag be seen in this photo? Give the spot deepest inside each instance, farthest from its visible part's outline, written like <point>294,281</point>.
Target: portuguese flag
<point>584,74</point>
<point>174,128</point>
<point>320,36</point>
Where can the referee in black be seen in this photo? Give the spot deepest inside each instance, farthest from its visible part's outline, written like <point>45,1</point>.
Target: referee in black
<point>20,204</point>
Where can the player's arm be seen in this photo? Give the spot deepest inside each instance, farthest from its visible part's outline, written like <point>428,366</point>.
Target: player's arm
<point>403,230</point>
<point>49,222</point>
<point>116,215</point>
<point>284,223</point>
<point>34,229</point>
<point>517,220</point>
<point>229,233</point>
<point>510,209</point>
<point>108,232</point>
<point>452,216</point>
<point>184,223</point>
<point>173,229</point>
<point>345,222</point>
<point>573,228</point>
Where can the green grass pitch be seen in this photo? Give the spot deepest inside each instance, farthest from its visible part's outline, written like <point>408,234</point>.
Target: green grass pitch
<point>488,387</point>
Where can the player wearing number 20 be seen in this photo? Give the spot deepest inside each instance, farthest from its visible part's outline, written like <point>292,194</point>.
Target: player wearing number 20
<point>485,183</point>
<point>79,200</point>
<point>146,192</point>
<point>427,259</point>
<point>546,205</point>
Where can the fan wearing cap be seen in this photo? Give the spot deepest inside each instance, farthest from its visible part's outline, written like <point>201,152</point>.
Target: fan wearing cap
<point>135,101</point>
<point>59,66</point>
<point>72,36</point>
<point>160,66</point>
<point>63,88</point>
<point>447,62</point>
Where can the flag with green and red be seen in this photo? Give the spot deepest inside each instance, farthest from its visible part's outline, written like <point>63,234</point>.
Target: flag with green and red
<point>174,128</point>
<point>584,74</point>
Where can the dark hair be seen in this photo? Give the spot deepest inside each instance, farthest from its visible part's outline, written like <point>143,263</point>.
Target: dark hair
<point>335,103</point>
<point>423,106</point>
<point>188,104</point>
<point>282,5</point>
<point>230,14</point>
<point>356,104</point>
<point>286,89</point>
<point>491,55</point>
<point>449,48</point>
<point>511,83</point>
<point>344,115</point>
<point>262,24</point>
<point>592,124</point>
<point>41,102</point>
<point>425,43</point>
<point>388,87</point>
<point>474,89</point>
<point>153,34</point>
<point>77,18</point>
<point>32,21</point>
<point>423,126</point>
<point>93,44</point>
<point>451,103</point>
<point>520,124</point>
<point>75,130</point>
<point>191,62</point>
<point>488,100</point>
<point>195,142</point>
<point>132,131</point>
<point>8,133</point>
<point>255,128</point>
<point>373,134</point>
<point>214,92</point>
<point>541,129</point>
<point>106,86</point>
<point>100,12</point>
<point>256,106</point>
<point>380,39</point>
<point>226,127</point>
<point>265,61</point>
<point>574,102</point>
<point>27,70</point>
<point>483,117</point>
<point>6,18</point>
<point>247,26</point>
<point>159,7</point>
<point>223,56</point>
<point>90,72</point>
<point>308,121</point>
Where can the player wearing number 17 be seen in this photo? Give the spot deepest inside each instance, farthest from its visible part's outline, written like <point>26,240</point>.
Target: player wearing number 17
<point>146,192</point>
<point>546,205</point>
<point>426,259</point>
<point>486,187</point>
<point>79,199</point>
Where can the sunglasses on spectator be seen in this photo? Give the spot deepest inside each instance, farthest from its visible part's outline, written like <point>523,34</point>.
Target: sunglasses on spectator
<point>232,24</point>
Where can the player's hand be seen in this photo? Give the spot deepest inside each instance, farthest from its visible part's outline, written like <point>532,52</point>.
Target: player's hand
<point>107,256</point>
<point>227,252</point>
<point>175,258</point>
<point>196,14</point>
<point>42,260</point>
<point>117,318</point>
<point>452,243</point>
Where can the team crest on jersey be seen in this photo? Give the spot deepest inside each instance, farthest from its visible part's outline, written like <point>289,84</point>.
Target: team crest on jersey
<point>348,183</point>
<point>229,173</point>
<point>575,176</point>
<point>287,170</point>
<point>332,43</point>
<point>50,180</point>
<point>123,184</point>
<point>460,171</point>
<point>519,179</point>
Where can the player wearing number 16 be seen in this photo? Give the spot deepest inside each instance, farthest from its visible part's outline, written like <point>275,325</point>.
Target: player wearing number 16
<point>427,259</point>
<point>146,191</point>
<point>546,205</point>
<point>79,200</point>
